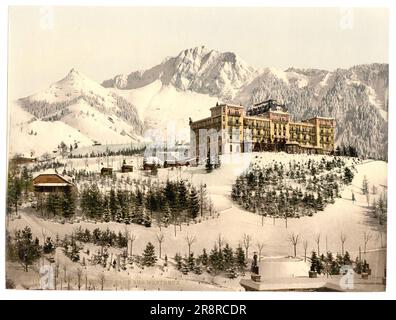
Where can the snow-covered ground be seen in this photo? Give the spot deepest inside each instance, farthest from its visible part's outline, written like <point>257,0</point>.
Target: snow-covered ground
<point>350,218</point>
<point>154,100</point>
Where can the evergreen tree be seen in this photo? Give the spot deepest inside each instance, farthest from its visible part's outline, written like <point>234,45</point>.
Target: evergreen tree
<point>68,203</point>
<point>182,195</point>
<point>14,191</point>
<point>240,259</point>
<point>178,259</point>
<point>347,259</point>
<point>348,176</point>
<point>215,260</point>
<point>319,202</point>
<point>209,164</point>
<point>194,204</point>
<point>314,262</point>
<point>106,209</point>
<point>191,262</point>
<point>27,250</point>
<point>149,257</point>
<point>139,213</point>
<point>26,179</point>
<point>146,219</point>
<point>228,255</point>
<point>204,257</point>
<point>166,214</point>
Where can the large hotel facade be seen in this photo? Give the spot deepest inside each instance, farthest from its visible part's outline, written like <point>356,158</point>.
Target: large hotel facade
<point>266,126</point>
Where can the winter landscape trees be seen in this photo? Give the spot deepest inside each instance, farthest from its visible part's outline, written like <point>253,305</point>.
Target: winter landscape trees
<point>293,190</point>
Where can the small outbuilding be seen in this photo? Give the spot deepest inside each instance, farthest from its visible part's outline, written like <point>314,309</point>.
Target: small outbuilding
<point>127,168</point>
<point>106,171</point>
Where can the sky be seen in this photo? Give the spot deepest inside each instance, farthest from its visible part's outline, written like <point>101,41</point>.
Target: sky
<point>101,42</point>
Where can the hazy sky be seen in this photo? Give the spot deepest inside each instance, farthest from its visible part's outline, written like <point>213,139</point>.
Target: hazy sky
<point>45,43</point>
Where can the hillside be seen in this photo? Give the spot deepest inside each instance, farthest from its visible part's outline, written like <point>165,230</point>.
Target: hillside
<point>75,110</point>
<point>357,97</point>
<point>188,85</point>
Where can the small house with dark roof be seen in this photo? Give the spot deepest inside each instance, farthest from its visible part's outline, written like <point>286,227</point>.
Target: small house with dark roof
<point>106,171</point>
<point>127,168</point>
<point>52,182</point>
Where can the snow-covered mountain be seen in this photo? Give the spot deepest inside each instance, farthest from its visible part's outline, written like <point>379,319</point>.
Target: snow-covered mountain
<point>198,69</point>
<point>75,110</point>
<point>187,85</point>
<point>357,97</point>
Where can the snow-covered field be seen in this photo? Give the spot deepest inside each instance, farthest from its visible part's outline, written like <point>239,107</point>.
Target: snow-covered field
<point>350,218</point>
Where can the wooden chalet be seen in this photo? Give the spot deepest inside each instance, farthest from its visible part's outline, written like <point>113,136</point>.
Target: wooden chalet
<point>106,171</point>
<point>52,182</point>
<point>127,168</point>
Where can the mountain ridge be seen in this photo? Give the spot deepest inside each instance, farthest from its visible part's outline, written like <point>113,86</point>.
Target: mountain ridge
<point>186,83</point>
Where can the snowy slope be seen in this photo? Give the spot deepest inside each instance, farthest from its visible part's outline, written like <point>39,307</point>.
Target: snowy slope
<point>75,109</point>
<point>191,82</point>
<point>162,106</point>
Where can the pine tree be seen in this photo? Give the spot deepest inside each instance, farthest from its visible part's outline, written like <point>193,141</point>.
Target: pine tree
<point>191,262</point>
<point>113,205</point>
<point>240,259</point>
<point>194,204</point>
<point>348,176</point>
<point>182,195</point>
<point>319,202</point>
<point>209,164</point>
<point>204,257</point>
<point>149,258</point>
<point>178,260</point>
<point>166,214</point>
<point>228,255</point>
<point>314,262</point>
<point>68,203</point>
<point>27,250</point>
<point>146,219</point>
<point>106,209</point>
<point>14,191</point>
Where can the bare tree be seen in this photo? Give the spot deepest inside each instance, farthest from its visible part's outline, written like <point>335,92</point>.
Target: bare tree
<point>190,240</point>
<point>79,275</point>
<point>220,240</point>
<point>343,238</point>
<point>305,245</point>
<point>260,246</point>
<point>160,239</point>
<point>317,240</point>
<point>64,272</point>
<point>132,238</point>
<point>293,238</point>
<point>366,238</point>
<point>246,243</point>
<point>210,206</point>
<point>102,279</point>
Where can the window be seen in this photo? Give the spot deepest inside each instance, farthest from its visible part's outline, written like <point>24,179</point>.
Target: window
<point>230,147</point>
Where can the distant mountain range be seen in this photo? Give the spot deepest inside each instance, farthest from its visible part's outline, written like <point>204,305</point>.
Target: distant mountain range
<point>188,84</point>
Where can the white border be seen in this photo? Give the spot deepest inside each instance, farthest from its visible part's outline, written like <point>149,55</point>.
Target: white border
<point>142,295</point>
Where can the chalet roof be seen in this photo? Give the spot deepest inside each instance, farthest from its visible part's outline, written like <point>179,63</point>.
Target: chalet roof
<point>66,179</point>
